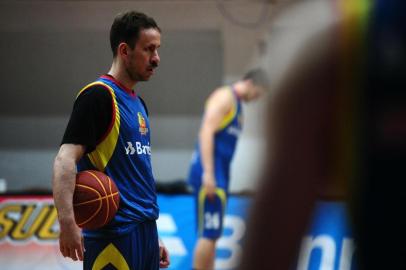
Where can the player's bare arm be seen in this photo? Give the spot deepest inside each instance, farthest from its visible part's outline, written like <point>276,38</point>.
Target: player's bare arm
<point>218,105</point>
<point>63,185</point>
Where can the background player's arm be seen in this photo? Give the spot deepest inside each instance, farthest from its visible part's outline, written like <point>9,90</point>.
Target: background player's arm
<point>63,185</point>
<point>218,105</point>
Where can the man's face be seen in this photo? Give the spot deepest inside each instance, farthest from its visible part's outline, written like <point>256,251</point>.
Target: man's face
<point>144,58</point>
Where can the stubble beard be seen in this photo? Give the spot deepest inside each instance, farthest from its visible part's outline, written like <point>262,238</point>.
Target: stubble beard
<point>134,74</point>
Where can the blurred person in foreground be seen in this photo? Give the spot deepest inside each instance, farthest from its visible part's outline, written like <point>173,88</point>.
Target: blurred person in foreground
<point>210,166</point>
<point>109,120</point>
<point>337,130</point>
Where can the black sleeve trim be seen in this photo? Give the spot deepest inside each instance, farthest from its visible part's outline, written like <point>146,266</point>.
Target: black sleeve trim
<point>91,119</point>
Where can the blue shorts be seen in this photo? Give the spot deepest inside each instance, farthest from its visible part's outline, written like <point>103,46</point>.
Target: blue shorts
<point>136,250</point>
<point>210,213</point>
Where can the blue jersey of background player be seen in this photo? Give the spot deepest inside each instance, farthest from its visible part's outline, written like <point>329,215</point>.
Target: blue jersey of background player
<point>109,131</point>
<point>210,166</point>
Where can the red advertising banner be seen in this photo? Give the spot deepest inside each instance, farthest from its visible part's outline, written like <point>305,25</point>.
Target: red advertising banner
<point>29,234</point>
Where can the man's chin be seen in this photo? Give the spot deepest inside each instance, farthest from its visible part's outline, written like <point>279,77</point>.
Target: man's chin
<point>146,77</point>
<point>143,79</point>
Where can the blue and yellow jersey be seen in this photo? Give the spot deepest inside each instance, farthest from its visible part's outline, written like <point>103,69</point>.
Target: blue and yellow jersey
<point>124,153</point>
<point>225,142</point>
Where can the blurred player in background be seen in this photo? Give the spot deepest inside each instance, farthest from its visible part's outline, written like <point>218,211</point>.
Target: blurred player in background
<point>210,166</point>
<point>337,130</point>
<point>109,131</point>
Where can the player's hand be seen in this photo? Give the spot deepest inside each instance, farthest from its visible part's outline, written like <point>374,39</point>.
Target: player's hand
<point>71,240</point>
<point>209,183</point>
<point>164,260</point>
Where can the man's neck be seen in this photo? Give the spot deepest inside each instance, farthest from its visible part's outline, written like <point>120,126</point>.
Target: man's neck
<point>121,76</point>
<point>239,88</point>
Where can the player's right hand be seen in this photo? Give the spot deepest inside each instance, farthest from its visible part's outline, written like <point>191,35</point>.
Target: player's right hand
<point>71,240</point>
<point>209,184</point>
<point>164,260</point>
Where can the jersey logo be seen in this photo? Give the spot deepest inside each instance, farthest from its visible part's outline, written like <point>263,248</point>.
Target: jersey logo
<point>143,125</point>
<point>139,148</point>
<point>129,150</point>
<point>234,131</point>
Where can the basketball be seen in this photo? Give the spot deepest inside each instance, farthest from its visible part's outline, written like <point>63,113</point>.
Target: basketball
<point>95,199</point>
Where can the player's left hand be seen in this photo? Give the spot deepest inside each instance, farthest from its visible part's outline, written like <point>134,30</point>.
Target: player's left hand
<point>209,183</point>
<point>164,260</point>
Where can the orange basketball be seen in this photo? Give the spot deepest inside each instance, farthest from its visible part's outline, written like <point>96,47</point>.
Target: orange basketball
<point>95,200</point>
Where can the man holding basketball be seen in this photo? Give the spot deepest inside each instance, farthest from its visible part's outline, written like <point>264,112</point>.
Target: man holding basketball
<point>109,131</point>
<point>210,166</point>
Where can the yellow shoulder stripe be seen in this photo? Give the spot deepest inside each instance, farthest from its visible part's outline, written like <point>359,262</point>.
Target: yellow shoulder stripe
<point>100,156</point>
<point>90,85</point>
<point>229,116</point>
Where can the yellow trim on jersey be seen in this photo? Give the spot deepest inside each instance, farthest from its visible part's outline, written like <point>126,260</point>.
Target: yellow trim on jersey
<point>89,85</point>
<point>110,255</point>
<point>202,197</point>
<point>230,115</point>
<point>100,156</point>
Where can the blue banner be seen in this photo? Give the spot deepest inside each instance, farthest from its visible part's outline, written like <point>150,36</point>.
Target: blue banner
<point>327,245</point>
<point>177,228</point>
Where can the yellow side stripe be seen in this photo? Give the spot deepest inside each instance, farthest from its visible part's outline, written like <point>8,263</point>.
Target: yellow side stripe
<point>202,196</point>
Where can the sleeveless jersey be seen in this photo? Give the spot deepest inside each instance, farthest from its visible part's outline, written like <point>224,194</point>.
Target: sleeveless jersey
<point>124,154</point>
<point>225,142</point>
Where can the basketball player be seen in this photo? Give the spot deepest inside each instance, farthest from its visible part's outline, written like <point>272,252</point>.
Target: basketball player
<point>109,131</point>
<point>210,165</point>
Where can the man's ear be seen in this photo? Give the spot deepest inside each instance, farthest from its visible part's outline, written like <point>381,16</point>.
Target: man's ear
<point>122,50</point>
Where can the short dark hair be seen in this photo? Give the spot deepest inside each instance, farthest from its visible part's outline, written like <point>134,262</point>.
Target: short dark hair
<point>126,28</point>
<point>258,77</point>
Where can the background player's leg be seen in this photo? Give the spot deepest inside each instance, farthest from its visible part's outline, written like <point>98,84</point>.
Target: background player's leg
<point>205,252</point>
<point>210,220</point>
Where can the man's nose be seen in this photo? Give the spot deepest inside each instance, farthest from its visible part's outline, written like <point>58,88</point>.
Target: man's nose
<point>155,59</point>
